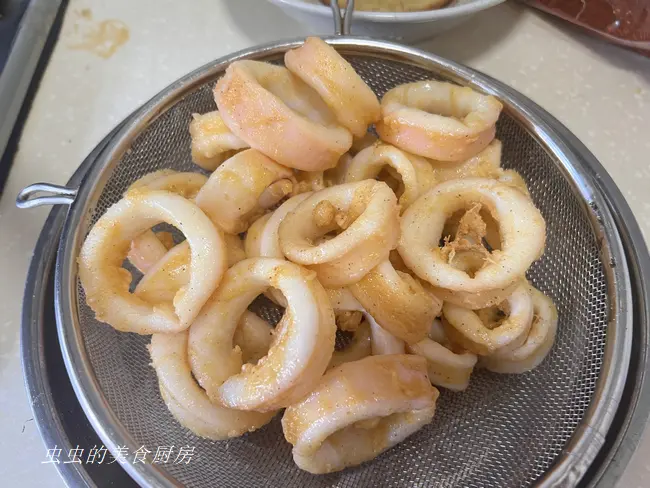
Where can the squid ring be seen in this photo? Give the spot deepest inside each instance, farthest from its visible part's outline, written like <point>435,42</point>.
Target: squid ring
<point>445,367</point>
<point>342,300</point>
<point>147,249</point>
<point>234,195</point>
<point>262,238</point>
<point>187,402</point>
<point>321,67</point>
<point>358,348</point>
<point>438,120</point>
<point>486,164</point>
<point>359,410</point>
<point>212,140</point>
<point>521,227</point>
<point>537,345</point>
<point>465,327</point>
<point>301,349</point>
<point>397,301</point>
<point>368,213</point>
<point>254,336</point>
<point>281,116</point>
<point>383,342</point>
<point>416,174</point>
<point>185,184</point>
<point>172,272</point>
<point>106,283</point>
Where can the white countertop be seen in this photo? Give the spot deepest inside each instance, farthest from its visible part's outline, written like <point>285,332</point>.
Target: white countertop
<point>600,92</point>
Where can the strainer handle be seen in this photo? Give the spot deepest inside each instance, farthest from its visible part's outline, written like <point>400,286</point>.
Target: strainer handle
<point>342,22</point>
<point>54,195</point>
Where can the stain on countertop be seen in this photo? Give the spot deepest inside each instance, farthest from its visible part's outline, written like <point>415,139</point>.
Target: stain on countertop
<point>101,38</point>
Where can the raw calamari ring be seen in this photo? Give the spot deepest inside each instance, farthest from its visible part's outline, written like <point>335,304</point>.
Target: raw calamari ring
<point>446,368</point>
<point>321,67</point>
<point>172,272</point>
<point>398,302</point>
<point>358,348</point>
<point>367,212</point>
<point>242,188</point>
<point>465,327</point>
<point>301,349</point>
<point>521,227</point>
<point>415,175</point>
<point>438,120</point>
<point>212,140</point>
<point>281,116</point>
<point>106,283</point>
<point>383,342</point>
<point>538,343</point>
<point>359,410</point>
<point>187,401</point>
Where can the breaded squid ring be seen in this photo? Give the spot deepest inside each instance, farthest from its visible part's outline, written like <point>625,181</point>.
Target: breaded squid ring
<point>537,345</point>
<point>416,174</point>
<point>212,140</point>
<point>186,184</point>
<point>368,213</point>
<point>358,348</point>
<point>359,410</point>
<point>521,226</point>
<point>281,116</point>
<point>254,336</point>
<point>106,283</point>
<point>326,71</point>
<point>262,238</point>
<point>187,401</point>
<point>237,192</point>
<point>383,342</point>
<point>465,327</point>
<point>438,120</point>
<point>398,302</point>
<point>446,368</point>
<point>145,251</point>
<point>301,349</point>
<point>486,164</point>
<point>172,272</point>
<point>342,300</point>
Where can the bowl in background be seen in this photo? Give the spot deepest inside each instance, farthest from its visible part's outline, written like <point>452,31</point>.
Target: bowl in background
<point>405,27</point>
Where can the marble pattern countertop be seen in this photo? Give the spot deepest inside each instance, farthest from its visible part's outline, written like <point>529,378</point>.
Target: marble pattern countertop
<point>600,92</point>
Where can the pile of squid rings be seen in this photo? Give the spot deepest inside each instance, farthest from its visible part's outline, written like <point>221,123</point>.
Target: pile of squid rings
<point>415,244</point>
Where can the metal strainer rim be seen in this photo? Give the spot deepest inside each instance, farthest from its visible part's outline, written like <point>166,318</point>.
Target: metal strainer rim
<point>588,438</point>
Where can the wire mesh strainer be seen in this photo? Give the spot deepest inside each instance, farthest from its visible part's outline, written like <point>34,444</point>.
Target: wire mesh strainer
<point>545,426</point>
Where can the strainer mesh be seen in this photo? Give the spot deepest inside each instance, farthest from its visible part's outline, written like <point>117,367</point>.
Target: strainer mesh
<point>505,430</point>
